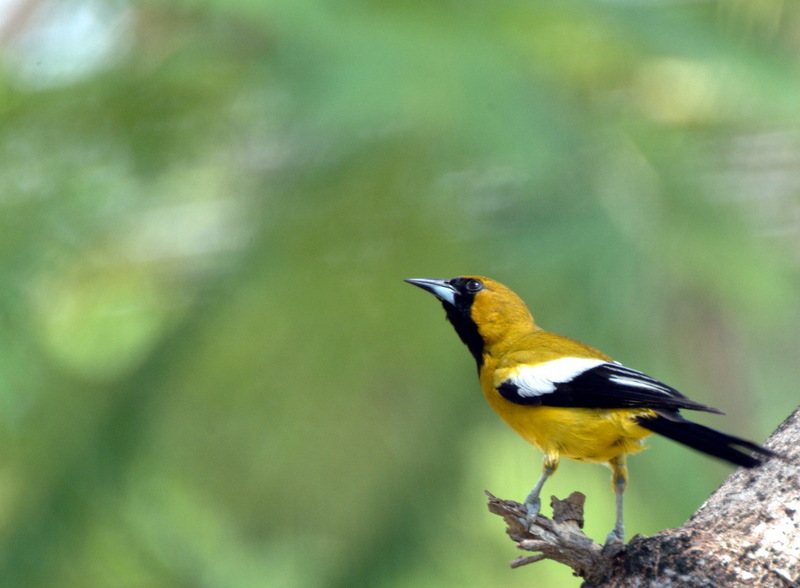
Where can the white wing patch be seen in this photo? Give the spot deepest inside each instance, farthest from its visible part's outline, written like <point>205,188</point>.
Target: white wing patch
<point>635,383</point>
<point>543,378</point>
<point>626,376</point>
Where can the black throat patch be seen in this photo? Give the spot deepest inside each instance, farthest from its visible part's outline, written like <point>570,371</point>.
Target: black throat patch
<point>461,319</point>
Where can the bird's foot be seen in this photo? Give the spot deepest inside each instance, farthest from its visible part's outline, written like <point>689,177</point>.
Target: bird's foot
<point>615,543</point>
<point>531,512</point>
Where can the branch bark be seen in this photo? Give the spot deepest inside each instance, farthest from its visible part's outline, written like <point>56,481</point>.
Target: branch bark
<point>747,534</point>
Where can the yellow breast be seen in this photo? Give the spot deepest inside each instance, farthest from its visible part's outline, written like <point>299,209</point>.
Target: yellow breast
<point>582,434</point>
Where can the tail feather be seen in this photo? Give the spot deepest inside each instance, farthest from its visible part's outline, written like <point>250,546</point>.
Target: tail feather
<point>707,440</point>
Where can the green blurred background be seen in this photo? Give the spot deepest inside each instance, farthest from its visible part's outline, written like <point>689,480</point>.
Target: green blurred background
<point>211,372</point>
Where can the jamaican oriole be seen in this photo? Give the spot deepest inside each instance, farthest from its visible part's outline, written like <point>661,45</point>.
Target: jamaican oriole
<point>567,398</point>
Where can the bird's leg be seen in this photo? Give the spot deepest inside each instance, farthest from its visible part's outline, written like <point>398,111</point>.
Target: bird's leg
<point>619,479</point>
<point>533,503</point>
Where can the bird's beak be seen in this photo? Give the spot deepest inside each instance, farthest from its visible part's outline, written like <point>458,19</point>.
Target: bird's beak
<point>439,288</point>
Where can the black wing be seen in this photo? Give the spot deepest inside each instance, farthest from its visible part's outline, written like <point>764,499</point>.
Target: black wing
<point>607,385</point>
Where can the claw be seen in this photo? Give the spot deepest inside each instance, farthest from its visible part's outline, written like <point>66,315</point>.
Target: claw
<point>532,508</point>
<point>614,537</point>
<point>614,544</point>
<point>533,503</point>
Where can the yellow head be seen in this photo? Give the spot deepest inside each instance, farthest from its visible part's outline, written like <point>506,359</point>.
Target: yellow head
<point>483,312</point>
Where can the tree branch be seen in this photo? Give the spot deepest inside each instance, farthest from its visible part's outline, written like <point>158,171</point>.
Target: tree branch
<point>746,534</point>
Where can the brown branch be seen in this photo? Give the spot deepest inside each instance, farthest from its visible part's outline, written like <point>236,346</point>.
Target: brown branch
<point>746,534</point>
<point>559,538</point>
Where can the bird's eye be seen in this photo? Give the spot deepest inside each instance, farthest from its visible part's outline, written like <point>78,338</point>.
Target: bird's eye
<point>473,285</point>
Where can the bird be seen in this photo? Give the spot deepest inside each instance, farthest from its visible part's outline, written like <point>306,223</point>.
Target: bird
<point>567,398</point>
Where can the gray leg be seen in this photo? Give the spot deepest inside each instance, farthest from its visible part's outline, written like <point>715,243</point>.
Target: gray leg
<point>619,479</point>
<point>533,503</point>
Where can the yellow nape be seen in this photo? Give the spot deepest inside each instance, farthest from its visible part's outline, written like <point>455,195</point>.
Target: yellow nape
<point>500,315</point>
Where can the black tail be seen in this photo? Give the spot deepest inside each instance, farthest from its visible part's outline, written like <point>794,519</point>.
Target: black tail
<point>707,440</point>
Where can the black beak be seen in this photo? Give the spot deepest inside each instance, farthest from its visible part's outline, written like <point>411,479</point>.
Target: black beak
<point>442,289</point>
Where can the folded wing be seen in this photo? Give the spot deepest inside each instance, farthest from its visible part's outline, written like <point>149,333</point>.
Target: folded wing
<point>591,383</point>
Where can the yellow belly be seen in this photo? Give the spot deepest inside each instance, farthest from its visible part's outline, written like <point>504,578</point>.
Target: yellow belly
<point>582,434</point>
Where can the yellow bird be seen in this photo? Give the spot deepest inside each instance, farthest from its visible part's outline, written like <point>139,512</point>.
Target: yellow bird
<point>567,398</point>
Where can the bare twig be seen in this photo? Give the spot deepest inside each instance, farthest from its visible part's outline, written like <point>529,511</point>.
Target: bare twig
<point>559,539</point>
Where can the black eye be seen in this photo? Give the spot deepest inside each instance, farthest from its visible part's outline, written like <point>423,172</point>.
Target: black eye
<point>473,285</point>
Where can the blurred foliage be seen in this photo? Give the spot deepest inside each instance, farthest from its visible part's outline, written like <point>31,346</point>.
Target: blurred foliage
<point>212,373</point>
